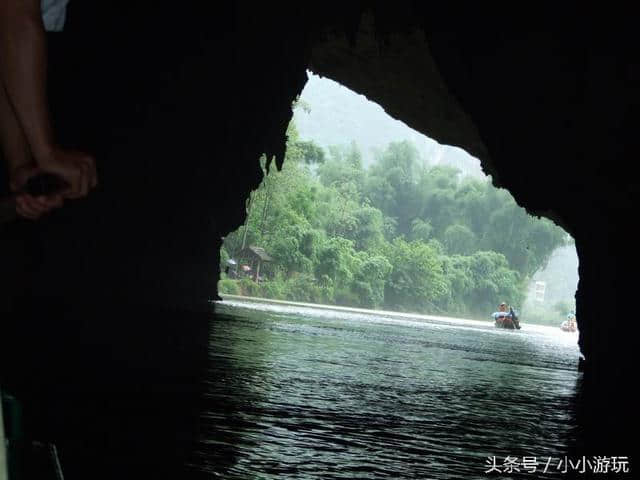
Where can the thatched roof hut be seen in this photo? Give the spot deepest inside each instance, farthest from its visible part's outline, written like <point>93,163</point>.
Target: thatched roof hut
<point>256,255</point>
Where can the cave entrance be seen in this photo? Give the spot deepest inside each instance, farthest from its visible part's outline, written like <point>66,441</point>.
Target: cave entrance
<point>357,309</point>
<point>368,213</point>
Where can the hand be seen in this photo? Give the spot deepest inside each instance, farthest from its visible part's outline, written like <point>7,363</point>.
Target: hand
<point>77,168</point>
<point>28,206</point>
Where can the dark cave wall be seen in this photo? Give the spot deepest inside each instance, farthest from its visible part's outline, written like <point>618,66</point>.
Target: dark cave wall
<point>178,105</point>
<point>176,111</point>
<point>107,311</point>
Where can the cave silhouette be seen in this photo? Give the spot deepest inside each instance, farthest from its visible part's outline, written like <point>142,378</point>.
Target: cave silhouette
<point>105,303</point>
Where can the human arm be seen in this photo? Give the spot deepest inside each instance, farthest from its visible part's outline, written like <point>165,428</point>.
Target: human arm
<point>24,76</point>
<point>20,166</point>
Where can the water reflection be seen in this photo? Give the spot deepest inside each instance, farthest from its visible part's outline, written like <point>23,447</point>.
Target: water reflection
<point>294,393</point>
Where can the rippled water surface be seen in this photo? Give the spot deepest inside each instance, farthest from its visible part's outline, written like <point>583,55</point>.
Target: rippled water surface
<point>309,393</point>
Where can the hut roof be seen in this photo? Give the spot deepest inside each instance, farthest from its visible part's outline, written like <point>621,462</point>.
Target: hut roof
<point>254,251</point>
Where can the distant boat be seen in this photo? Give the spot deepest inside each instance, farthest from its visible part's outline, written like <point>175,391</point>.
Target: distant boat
<point>569,325</point>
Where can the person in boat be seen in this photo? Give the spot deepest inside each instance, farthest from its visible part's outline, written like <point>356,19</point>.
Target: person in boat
<point>569,325</point>
<point>501,315</point>
<point>505,317</point>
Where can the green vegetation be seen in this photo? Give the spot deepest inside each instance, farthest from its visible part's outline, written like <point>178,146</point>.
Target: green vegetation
<point>400,235</point>
<point>546,314</point>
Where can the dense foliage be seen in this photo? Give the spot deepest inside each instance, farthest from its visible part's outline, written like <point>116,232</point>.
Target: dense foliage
<point>400,235</point>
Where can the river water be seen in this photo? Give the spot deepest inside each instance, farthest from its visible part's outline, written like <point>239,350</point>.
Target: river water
<point>307,393</point>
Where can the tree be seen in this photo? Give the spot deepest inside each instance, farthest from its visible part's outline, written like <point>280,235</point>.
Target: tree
<point>335,260</point>
<point>391,184</point>
<point>369,228</point>
<point>311,153</point>
<point>459,239</point>
<point>288,249</point>
<point>421,230</point>
<point>492,282</point>
<point>372,272</point>
<point>400,234</point>
<point>344,166</point>
<point>564,306</point>
<point>417,281</point>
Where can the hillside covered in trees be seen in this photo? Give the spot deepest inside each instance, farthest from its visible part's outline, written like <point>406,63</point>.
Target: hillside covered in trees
<point>400,235</point>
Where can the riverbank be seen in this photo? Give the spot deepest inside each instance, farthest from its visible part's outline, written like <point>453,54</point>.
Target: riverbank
<point>387,313</point>
<point>383,313</point>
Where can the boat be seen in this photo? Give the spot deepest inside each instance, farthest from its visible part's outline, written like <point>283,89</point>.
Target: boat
<point>569,325</point>
<point>508,320</point>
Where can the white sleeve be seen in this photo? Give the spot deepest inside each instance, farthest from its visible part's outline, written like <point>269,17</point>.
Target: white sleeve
<point>54,14</point>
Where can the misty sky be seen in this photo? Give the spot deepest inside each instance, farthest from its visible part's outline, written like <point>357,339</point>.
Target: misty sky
<point>339,115</point>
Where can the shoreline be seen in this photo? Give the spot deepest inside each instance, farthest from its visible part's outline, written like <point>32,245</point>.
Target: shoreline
<point>338,308</point>
<point>384,313</point>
